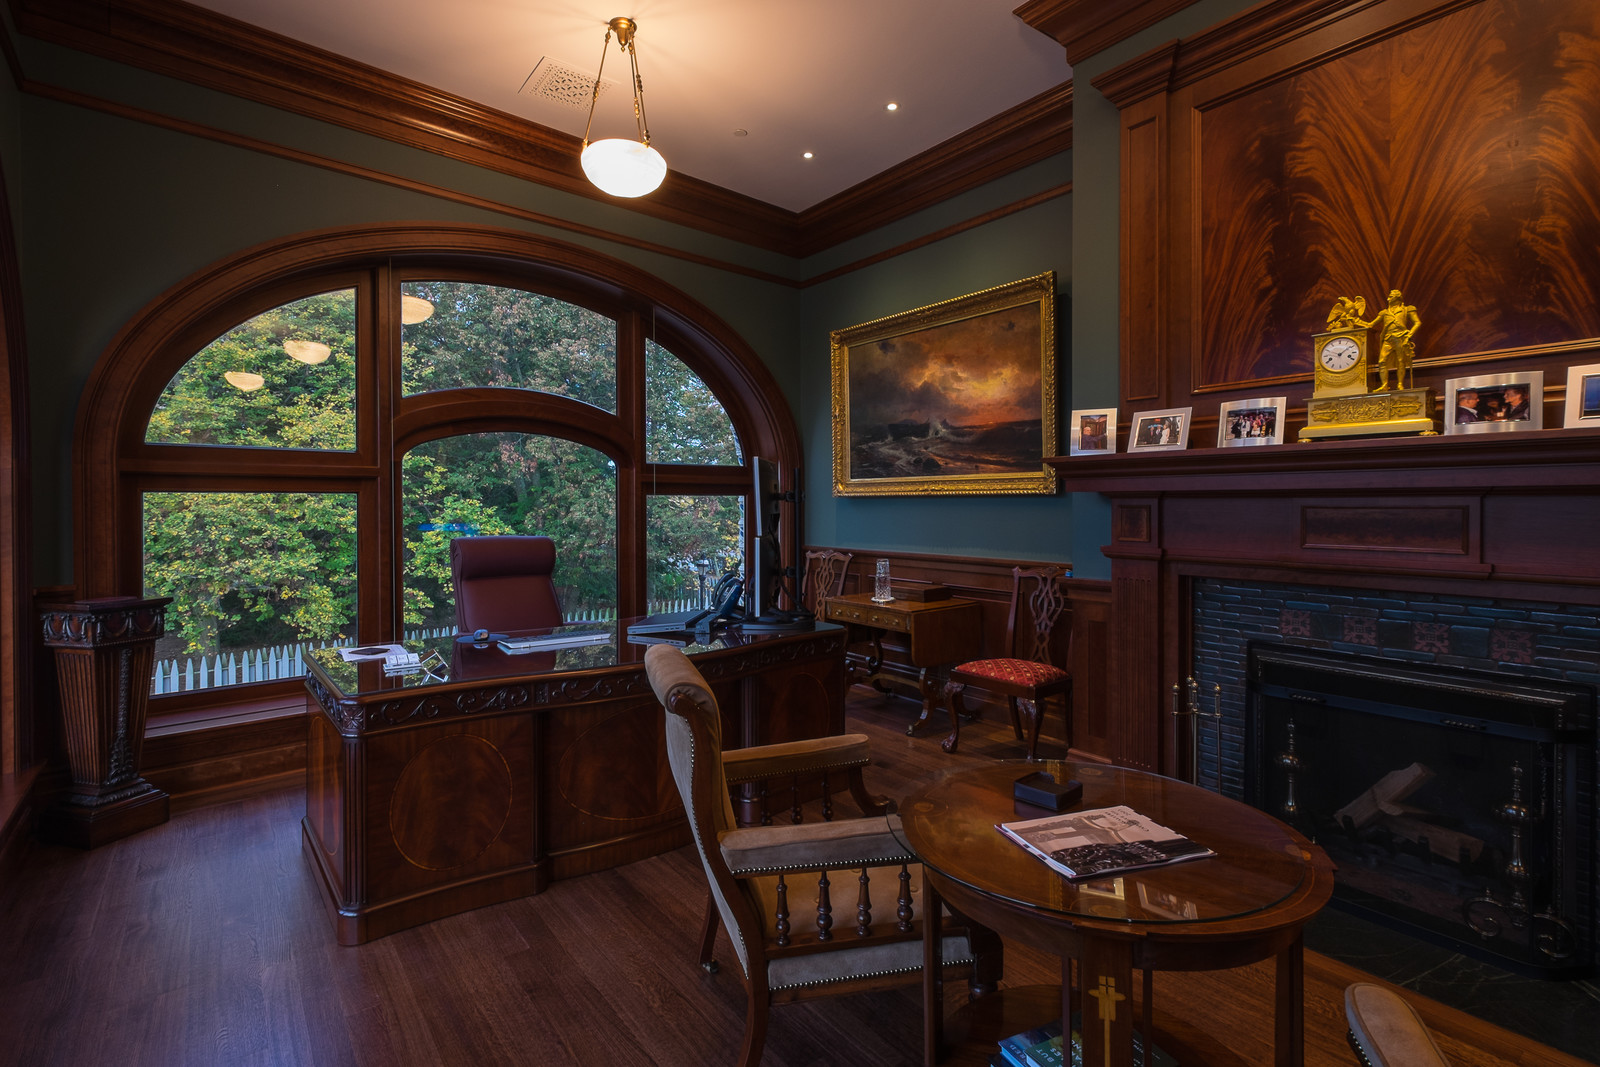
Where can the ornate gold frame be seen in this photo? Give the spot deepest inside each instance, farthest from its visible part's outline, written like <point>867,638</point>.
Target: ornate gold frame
<point>1040,290</point>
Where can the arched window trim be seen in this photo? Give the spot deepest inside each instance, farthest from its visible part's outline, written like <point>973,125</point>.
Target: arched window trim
<point>114,465</point>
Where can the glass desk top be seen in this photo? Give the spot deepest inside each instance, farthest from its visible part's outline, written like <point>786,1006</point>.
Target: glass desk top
<point>457,659</point>
<point>1259,862</point>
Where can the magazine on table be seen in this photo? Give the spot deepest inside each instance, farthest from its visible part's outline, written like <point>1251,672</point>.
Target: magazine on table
<point>1102,841</point>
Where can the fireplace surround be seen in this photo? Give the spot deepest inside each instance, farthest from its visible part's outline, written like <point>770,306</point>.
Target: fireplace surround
<point>1457,804</point>
<point>1451,553</point>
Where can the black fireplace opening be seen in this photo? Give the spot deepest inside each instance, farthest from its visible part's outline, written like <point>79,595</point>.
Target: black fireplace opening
<point>1457,805</point>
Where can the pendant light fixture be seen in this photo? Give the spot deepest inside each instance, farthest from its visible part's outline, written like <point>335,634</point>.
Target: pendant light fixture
<point>617,165</point>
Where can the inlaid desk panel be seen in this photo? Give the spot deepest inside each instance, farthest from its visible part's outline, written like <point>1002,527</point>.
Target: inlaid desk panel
<point>426,797</point>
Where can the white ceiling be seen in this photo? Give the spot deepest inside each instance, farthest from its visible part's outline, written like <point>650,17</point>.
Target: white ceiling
<point>796,75</point>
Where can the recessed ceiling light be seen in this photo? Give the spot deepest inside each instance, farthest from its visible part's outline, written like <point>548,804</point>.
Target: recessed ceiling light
<point>891,106</point>
<point>805,155</point>
<point>741,133</point>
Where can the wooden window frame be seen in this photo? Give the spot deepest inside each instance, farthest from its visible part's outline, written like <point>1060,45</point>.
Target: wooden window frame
<point>115,465</point>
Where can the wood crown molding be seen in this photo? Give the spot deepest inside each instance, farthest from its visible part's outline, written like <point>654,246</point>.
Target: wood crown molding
<point>182,41</point>
<point>1033,130</point>
<point>179,40</point>
<point>1087,27</point>
<point>1252,32</point>
<point>1139,79</point>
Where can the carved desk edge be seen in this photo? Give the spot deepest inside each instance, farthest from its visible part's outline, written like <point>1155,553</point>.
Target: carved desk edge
<point>355,715</point>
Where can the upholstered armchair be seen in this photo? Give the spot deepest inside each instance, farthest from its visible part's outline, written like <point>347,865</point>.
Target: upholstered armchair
<point>1385,1031</point>
<point>787,953</point>
<point>504,583</point>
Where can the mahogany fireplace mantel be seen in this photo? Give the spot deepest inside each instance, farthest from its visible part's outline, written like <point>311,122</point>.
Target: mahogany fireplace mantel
<point>1509,515</point>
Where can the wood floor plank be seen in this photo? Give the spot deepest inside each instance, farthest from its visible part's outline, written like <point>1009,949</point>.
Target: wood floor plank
<point>205,941</point>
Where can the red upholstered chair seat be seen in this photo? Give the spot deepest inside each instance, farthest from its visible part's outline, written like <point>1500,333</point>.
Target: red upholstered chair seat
<point>1014,671</point>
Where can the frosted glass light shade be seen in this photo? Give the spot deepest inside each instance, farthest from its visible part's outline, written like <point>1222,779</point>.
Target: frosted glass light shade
<point>414,309</point>
<point>311,352</point>
<point>622,167</point>
<point>244,381</point>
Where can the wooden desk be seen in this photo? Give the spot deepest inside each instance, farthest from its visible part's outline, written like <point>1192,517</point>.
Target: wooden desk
<point>941,632</point>
<point>428,798</point>
<point>1247,903</point>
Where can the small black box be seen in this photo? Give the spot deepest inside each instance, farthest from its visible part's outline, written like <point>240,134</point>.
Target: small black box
<point>1041,789</point>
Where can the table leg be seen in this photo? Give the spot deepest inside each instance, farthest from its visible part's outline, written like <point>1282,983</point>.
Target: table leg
<point>932,974</point>
<point>1289,1027</point>
<point>1107,1008</point>
<point>930,687</point>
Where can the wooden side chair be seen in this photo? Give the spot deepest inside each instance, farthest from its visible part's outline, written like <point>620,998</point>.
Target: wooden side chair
<point>825,574</point>
<point>1025,674</point>
<point>794,954</point>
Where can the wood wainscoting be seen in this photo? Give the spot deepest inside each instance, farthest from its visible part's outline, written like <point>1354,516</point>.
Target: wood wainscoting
<point>988,581</point>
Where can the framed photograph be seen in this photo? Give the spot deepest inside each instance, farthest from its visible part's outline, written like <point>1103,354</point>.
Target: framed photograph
<point>1583,396</point>
<point>957,397</point>
<point>1494,403</point>
<point>1244,423</point>
<point>1094,432</point>
<point>1155,431</point>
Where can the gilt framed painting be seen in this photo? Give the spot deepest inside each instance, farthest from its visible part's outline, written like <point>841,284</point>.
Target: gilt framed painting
<point>955,397</point>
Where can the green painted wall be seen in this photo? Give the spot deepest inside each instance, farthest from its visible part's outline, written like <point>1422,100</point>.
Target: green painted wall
<point>113,211</point>
<point>1017,246</point>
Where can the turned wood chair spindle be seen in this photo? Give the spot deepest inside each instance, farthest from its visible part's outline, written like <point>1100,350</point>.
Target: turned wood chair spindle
<point>783,956</point>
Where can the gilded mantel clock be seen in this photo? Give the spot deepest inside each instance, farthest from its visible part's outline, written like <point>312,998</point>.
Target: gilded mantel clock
<point>1340,405</point>
<point>1339,362</point>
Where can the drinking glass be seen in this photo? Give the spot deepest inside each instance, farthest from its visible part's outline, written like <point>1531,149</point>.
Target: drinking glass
<point>880,584</point>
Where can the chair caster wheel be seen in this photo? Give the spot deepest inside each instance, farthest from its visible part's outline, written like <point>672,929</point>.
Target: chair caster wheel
<point>710,966</point>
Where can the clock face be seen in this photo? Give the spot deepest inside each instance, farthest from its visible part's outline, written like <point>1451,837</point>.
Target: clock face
<point>1339,354</point>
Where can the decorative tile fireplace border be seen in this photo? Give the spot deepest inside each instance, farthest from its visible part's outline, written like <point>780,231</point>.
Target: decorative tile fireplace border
<point>1523,639</point>
<point>1513,640</point>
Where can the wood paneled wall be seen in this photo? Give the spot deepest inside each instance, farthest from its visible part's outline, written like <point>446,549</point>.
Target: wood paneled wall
<point>1308,150</point>
<point>988,581</point>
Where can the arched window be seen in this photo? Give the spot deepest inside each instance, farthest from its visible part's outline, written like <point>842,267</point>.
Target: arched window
<point>296,435</point>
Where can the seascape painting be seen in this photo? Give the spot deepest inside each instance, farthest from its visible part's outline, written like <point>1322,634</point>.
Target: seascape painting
<point>964,403</point>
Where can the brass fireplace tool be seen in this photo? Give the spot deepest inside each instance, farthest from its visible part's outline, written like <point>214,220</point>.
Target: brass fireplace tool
<point>1191,711</point>
<point>1487,914</point>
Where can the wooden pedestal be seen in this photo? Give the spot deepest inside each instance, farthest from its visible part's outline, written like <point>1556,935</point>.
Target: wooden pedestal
<point>104,649</point>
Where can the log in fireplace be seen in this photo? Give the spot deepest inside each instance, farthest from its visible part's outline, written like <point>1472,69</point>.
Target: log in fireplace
<point>1459,804</point>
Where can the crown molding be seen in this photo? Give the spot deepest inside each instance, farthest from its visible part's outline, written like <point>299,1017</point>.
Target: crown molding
<point>1087,27</point>
<point>1033,130</point>
<point>191,44</point>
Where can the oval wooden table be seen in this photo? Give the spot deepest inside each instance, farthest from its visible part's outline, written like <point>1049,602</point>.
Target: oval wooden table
<point>1247,903</point>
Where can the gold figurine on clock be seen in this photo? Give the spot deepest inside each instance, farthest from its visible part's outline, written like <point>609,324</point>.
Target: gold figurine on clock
<point>1340,404</point>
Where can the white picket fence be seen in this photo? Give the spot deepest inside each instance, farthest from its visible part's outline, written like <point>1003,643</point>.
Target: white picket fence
<point>184,673</point>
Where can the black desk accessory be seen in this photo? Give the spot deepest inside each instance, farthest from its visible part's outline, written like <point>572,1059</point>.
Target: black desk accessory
<point>1042,790</point>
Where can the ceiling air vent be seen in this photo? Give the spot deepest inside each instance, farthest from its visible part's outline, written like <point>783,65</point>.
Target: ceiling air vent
<point>563,85</point>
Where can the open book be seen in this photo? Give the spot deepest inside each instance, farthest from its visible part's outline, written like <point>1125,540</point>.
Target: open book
<point>1101,841</point>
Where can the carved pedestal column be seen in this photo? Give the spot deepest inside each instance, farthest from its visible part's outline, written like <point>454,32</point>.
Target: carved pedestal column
<point>104,650</point>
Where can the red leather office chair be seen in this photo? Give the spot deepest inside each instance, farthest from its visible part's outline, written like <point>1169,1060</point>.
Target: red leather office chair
<point>504,583</point>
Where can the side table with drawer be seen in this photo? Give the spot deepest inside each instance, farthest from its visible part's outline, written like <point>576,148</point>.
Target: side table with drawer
<point>941,634</point>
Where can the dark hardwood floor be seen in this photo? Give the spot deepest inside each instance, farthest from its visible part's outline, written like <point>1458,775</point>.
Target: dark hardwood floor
<point>205,942</point>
